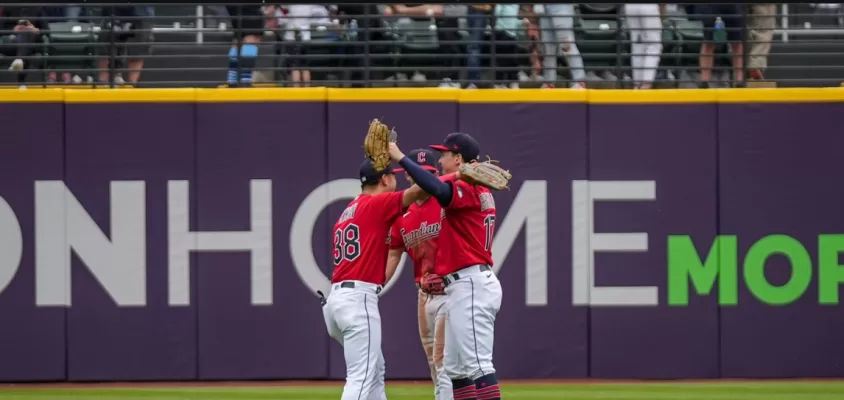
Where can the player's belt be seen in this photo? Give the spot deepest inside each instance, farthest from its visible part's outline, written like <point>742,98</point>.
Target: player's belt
<point>451,278</point>
<point>351,285</point>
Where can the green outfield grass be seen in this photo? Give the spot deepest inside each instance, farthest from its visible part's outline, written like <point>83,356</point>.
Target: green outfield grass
<point>774,390</point>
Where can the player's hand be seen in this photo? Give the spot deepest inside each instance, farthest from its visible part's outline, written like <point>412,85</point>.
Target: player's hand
<point>394,151</point>
<point>432,284</point>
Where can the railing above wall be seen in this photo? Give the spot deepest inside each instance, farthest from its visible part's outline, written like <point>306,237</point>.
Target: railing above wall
<point>784,31</point>
<point>188,46</point>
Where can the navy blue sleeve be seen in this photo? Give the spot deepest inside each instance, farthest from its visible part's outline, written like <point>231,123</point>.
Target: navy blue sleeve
<point>429,182</point>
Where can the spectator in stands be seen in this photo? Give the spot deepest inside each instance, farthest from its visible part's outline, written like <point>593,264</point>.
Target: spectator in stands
<point>712,15</point>
<point>215,15</point>
<point>61,14</point>
<point>297,34</point>
<point>645,24</point>
<point>508,57</point>
<point>248,27</point>
<point>535,43</point>
<point>22,30</point>
<point>130,30</point>
<point>447,36</point>
<point>369,31</point>
<point>477,19</point>
<point>761,23</point>
<point>556,22</point>
<point>72,12</point>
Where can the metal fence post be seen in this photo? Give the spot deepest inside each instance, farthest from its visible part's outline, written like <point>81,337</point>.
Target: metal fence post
<point>619,42</point>
<point>493,58</point>
<point>238,37</point>
<point>366,48</point>
<point>746,49</point>
<point>784,24</point>
<point>200,24</point>
<point>111,48</point>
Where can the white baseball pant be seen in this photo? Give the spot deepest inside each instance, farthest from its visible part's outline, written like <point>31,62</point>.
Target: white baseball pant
<point>431,311</point>
<point>645,25</point>
<point>557,35</point>
<point>472,304</point>
<point>353,319</point>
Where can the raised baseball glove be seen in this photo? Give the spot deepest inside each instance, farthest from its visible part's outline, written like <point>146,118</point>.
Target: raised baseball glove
<point>432,284</point>
<point>376,144</point>
<point>486,174</point>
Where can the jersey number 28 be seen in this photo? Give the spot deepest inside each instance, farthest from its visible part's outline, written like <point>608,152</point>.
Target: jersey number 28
<point>346,244</point>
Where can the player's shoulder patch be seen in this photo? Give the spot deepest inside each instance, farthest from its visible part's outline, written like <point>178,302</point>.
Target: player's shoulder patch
<point>486,200</point>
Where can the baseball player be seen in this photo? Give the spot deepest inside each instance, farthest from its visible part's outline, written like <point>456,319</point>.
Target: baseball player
<point>360,258</point>
<point>416,233</point>
<point>464,260</point>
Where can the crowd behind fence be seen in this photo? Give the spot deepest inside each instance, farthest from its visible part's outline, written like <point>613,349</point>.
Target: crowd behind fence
<point>639,46</point>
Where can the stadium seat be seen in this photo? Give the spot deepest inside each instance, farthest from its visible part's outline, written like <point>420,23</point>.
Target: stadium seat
<point>36,63</point>
<point>417,43</point>
<point>325,49</point>
<point>670,43</point>
<point>598,34</point>
<point>417,36</point>
<point>71,47</point>
<point>687,36</point>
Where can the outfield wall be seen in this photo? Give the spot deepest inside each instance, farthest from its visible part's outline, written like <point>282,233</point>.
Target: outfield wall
<point>180,234</point>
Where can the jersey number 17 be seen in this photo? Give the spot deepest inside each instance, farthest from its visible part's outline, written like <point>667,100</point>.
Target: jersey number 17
<point>489,229</point>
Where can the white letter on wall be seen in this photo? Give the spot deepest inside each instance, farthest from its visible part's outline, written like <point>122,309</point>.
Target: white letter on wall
<point>181,241</point>
<point>529,209</point>
<point>585,243</point>
<point>11,245</point>
<point>62,225</point>
<point>302,229</point>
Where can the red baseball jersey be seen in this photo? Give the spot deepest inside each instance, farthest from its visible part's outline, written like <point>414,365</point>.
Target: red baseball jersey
<point>467,229</point>
<point>417,232</point>
<point>361,237</point>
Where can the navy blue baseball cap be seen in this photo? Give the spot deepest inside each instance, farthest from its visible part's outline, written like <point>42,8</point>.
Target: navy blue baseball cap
<point>368,174</point>
<point>424,157</point>
<point>460,143</point>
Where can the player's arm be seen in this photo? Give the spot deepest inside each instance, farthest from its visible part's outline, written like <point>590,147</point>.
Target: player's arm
<point>415,193</point>
<point>393,260</point>
<point>396,245</point>
<point>428,182</point>
<point>391,204</point>
<point>412,194</point>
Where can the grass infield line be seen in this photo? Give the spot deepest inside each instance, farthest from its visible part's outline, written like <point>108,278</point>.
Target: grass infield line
<point>338,383</point>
